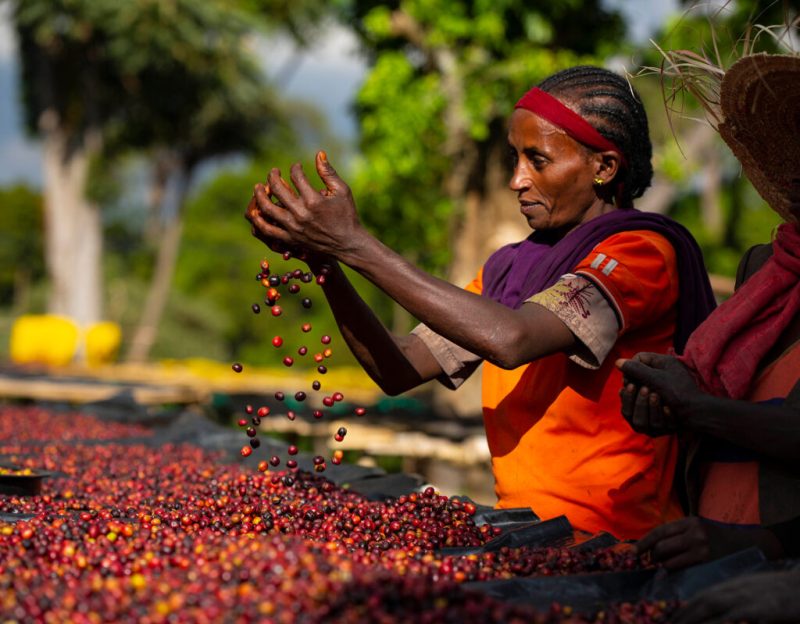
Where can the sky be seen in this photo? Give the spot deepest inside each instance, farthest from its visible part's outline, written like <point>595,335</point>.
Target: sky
<point>331,69</point>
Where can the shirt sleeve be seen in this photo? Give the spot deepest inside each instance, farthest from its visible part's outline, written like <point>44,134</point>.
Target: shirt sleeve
<point>457,363</point>
<point>637,273</point>
<point>583,308</point>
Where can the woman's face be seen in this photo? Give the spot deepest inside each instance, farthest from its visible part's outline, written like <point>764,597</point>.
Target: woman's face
<point>553,174</point>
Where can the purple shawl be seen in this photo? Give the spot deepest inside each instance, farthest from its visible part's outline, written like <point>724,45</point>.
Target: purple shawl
<point>515,272</point>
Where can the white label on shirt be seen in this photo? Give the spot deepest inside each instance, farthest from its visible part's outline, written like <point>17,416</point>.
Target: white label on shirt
<point>610,267</point>
<point>598,260</point>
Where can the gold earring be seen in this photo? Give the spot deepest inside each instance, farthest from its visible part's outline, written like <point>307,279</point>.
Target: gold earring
<point>598,181</point>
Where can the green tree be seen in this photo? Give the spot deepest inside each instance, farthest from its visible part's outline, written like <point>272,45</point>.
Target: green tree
<point>21,261</point>
<point>91,68</point>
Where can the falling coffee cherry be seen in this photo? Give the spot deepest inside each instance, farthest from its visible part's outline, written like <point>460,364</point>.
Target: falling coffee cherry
<point>263,411</point>
<point>306,327</point>
<point>251,432</point>
<point>306,303</point>
<point>279,396</point>
<point>242,422</point>
<point>276,310</point>
<point>316,385</point>
<point>317,414</point>
<point>360,411</point>
<point>291,415</point>
<point>255,443</point>
<point>277,341</point>
<point>237,367</point>
<point>302,350</point>
<point>338,396</point>
<point>263,466</point>
<point>288,361</point>
<point>292,449</point>
<point>246,451</point>
<point>326,339</point>
<point>274,460</point>
<point>294,288</point>
<point>291,463</point>
<point>321,369</point>
<point>300,396</point>
<point>256,308</point>
<point>327,401</point>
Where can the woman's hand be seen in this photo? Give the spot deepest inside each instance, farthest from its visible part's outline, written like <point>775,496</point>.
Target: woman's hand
<point>762,597</point>
<point>318,221</point>
<point>657,393</point>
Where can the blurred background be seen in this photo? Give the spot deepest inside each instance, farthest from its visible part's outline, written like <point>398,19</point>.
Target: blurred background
<point>132,132</point>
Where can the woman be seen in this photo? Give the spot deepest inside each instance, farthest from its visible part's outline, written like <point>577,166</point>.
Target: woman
<point>736,390</point>
<point>595,281</point>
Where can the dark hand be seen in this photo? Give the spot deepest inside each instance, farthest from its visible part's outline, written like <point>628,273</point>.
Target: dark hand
<point>319,221</point>
<point>762,597</point>
<point>253,215</point>
<point>657,391</point>
<point>680,544</point>
<point>692,540</point>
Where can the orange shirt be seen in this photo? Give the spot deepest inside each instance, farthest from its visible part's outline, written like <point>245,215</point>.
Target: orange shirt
<point>558,441</point>
<point>730,474</point>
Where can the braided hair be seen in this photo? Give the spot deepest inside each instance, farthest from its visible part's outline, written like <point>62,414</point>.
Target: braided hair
<point>613,107</point>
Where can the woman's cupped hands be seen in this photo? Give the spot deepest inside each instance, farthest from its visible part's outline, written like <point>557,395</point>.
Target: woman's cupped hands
<point>298,217</point>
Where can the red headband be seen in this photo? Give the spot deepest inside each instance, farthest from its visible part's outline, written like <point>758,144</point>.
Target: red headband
<point>549,108</point>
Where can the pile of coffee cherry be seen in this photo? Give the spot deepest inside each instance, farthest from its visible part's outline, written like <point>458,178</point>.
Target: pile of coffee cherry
<point>274,284</point>
<point>128,532</point>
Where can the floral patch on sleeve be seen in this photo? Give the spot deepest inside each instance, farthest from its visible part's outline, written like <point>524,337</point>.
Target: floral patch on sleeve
<point>586,312</point>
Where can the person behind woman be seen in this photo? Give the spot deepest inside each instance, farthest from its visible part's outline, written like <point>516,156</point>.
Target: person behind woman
<point>595,281</point>
<point>736,389</point>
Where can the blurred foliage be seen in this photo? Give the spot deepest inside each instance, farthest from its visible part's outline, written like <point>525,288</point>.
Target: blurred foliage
<point>21,242</point>
<point>97,62</point>
<point>300,18</point>
<point>496,50</point>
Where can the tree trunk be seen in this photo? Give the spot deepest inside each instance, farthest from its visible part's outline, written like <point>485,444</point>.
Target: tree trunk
<point>73,228</point>
<point>158,293</point>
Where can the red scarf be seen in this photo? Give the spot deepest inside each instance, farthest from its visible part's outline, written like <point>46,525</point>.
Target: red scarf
<point>726,349</point>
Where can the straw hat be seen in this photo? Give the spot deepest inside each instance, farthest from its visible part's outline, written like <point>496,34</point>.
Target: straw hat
<point>759,101</point>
